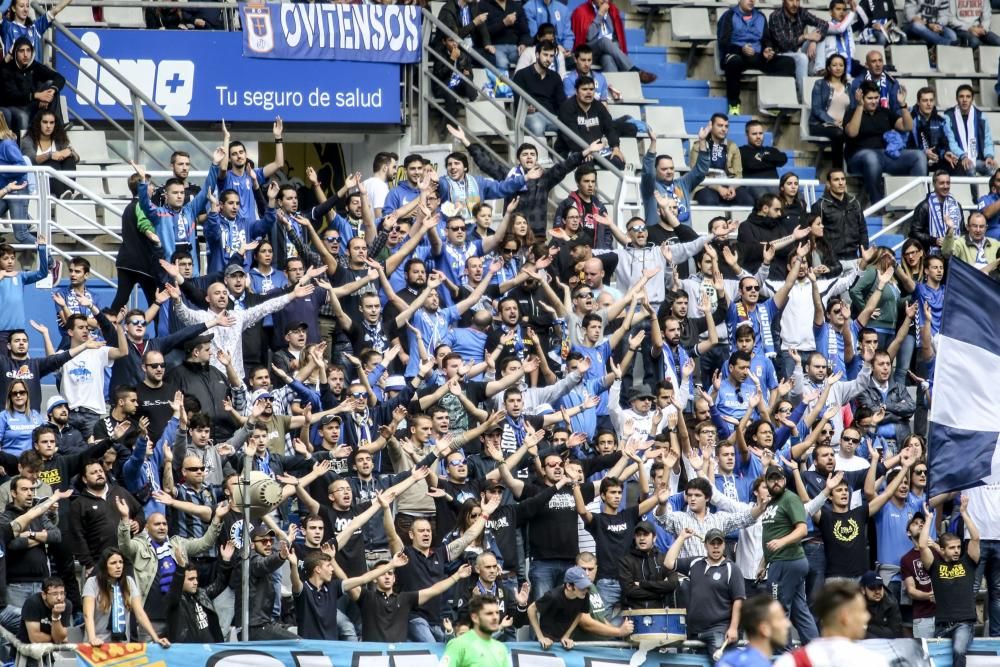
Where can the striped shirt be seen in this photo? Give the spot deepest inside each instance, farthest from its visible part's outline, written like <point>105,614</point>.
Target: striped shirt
<point>675,522</point>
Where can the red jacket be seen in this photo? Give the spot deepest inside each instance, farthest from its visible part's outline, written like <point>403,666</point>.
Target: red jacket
<point>583,16</point>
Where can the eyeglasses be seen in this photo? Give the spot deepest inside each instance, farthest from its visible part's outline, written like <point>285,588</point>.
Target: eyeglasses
<point>264,540</point>
<point>457,462</point>
<point>159,365</point>
<point>195,469</point>
<point>137,323</point>
<point>19,392</point>
<point>752,288</point>
<point>786,409</point>
<point>827,431</point>
<point>855,441</point>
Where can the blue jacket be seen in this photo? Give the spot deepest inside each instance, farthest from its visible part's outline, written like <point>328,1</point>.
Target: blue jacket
<point>178,226</point>
<point>984,139</point>
<point>16,429</point>
<point>398,197</point>
<point>139,479</point>
<point>680,189</point>
<point>224,237</point>
<point>554,12</point>
<point>733,31</point>
<point>10,31</point>
<point>929,132</point>
<point>12,292</point>
<point>822,93</point>
<point>891,94</point>
<point>10,154</point>
<point>488,188</point>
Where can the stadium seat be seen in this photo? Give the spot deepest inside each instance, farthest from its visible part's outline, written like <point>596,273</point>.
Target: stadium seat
<point>607,186</point>
<point>675,149</point>
<point>862,50</point>
<point>627,83</point>
<point>776,93</point>
<point>91,145</point>
<point>82,16</point>
<point>667,121</point>
<point>619,110</point>
<point>963,193</point>
<point>946,89</point>
<point>956,60</point>
<point>691,24</point>
<point>74,215</point>
<point>988,94</point>
<point>630,149</point>
<point>93,184</point>
<point>910,200</point>
<point>912,86</point>
<point>993,118</point>
<point>989,57</point>
<point>124,17</point>
<point>117,186</point>
<point>483,118</point>
<point>907,58</point>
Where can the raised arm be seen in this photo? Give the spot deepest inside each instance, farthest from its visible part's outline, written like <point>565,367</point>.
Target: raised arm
<point>973,547</point>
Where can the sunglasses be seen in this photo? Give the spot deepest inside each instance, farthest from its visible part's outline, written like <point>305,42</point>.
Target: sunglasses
<point>137,323</point>
<point>195,469</point>
<point>462,229</point>
<point>19,392</point>
<point>457,462</point>
<point>752,288</point>
<point>554,465</point>
<point>922,471</point>
<point>359,394</point>
<point>584,295</point>
<point>638,228</point>
<point>508,251</point>
<point>160,365</point>
<point>855,441</point>
<point>332,239</point>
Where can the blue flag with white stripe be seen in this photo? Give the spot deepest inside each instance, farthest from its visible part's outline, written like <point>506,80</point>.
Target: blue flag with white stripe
<point>963,448</point>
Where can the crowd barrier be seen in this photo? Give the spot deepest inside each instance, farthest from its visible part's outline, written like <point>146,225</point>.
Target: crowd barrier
<point>306,653</point>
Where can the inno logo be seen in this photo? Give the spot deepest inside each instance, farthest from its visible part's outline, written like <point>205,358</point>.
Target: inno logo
<point>169,83</point>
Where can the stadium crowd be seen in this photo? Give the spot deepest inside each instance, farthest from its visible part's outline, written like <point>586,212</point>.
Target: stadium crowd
<point>485,415</point>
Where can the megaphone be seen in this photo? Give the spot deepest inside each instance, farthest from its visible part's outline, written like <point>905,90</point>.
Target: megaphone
<point>264,495</point>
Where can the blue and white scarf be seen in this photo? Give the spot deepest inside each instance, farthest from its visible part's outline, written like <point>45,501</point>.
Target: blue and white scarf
<point>938,210</point>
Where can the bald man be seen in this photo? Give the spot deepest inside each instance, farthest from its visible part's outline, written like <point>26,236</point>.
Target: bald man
<point>593,277</point>
<point>151,553</point>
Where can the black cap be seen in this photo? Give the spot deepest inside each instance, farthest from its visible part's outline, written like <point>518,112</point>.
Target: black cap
<point>773,471</point>
<point>192,343</point>
<point>713,535</point>
<point>640,391</point>
<point>330,418</point>
<point>916,515</point>
<point>294,326</point>
<point>261,529</point>
<point>645,527</point>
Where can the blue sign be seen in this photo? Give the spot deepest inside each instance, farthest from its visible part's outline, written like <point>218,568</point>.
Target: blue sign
<point>320,31</point>
<point>203,76</point>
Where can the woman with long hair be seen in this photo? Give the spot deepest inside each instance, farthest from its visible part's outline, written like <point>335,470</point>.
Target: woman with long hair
<point>468,513</point>
<point>791,201</point>
<point>520,230</point>
<point>17,22</point>
<point>821,256</point>
<point>264,279</point>
<point>828,111</point>
<point>45,143</point>
<point>18,420</point>
<point>109,600</point>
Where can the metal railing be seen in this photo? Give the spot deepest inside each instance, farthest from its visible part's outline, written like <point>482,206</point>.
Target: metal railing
<point>429,85</point>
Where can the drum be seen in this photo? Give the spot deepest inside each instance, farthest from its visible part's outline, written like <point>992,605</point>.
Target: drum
<point>666,625</point>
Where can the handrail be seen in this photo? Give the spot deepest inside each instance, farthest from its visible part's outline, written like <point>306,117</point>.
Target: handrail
<point>136,93</point>
<point>430,19</point>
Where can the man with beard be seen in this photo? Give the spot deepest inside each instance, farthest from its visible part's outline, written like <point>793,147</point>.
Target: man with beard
<point>198,378</point>
<point>236,171</point>
<point>94,516</point>
<point>70,440</point>
<point>477,648</point>
<point>154,394</point>
<point>784,527</point>
<point>16,365</point>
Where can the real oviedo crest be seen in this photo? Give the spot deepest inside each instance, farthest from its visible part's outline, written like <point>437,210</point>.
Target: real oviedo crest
<point>259,29</point>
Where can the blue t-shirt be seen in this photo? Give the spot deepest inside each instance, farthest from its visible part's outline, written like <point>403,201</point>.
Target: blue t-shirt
<point>732,402</point>
<point>469,343</point>
<point>746,656</point>
<point>598,355</point>
<point>244,188</point>
<point>16,429</point>
<point>935,298</point>
<point>433,328</point>
<point>992,224</point>
<point>890,527</point>
<point>761,368</point>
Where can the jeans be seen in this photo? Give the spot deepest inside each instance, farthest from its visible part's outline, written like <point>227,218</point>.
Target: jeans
<point>506,56</point>
<point>545,575</point>
<point>346,631</point>
<point>537,124</point>
<point>904,357</point>
<point>712,638</point>
<point>923,628</point>
<point>420,630</point>
<point>17,209</point>
<point>920,32</point>
<point>989,565</point>
<point>734,64</point>
<point>225,607</point>
<point>18,592</point>
<point>871,164</point>
<point>610,56</point>
<point>960,635</point>
<point>973,42</point>
<point>82,419</point>
<point>801,69</point>
<point>271,631</point>
<point>787,581</point>
<point>611,592</point>
<point>816,557</point>
<point>709,197</point>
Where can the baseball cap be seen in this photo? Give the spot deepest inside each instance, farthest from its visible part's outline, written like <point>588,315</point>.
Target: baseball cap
<point>235,268</point>
<point>191,343</point>
<point>295,326</point>
<point>871,580</point>
<point>645,527</point>
<point>330,418</point>
<point>577,577</point>
<point>773,471</point>
<point>395,383</point>
<point>55,401</point>
<point>259,395</point>
<point>713,535</point>
<point>260,529</point>
<point>916,515</point>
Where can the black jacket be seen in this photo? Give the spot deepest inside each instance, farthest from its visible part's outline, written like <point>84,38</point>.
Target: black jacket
<point>899,407</point>
<point>886,621</point>
<point>210,387</point>
<point>18,86</point>
<point>644,581</point>
<point>261,587</point>
<point>451,16</point>
<point>136,253</point>
<point>591,125</point>
<point>519,33</point>
<point>844,226</point>
<point>761,162</point>
<point>182,618</point>
<point>93,522</point>
<point>534,200</point>
<point>753,232</point>
<point>920,226</point>
<point>128,370</point>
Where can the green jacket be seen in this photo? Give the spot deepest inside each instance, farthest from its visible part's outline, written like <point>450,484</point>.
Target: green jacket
<point>965,250</point>
<point>140,552</point>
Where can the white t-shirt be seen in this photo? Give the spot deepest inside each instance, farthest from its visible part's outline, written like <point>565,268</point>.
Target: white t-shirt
<point>83,379</point>
<point>377,190</point>
<point>984,509</point>
<point>836,652</point>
